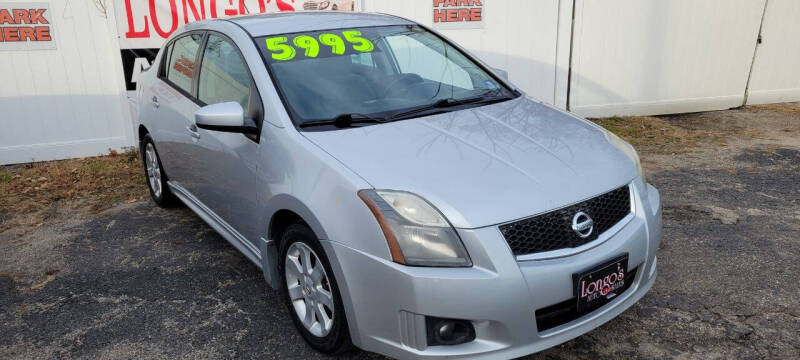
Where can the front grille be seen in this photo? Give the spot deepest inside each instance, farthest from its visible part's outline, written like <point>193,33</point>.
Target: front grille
<point>553,230</point>
<point>566,311</point>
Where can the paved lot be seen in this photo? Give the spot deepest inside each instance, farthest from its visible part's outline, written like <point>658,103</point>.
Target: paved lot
<point>137,281</point>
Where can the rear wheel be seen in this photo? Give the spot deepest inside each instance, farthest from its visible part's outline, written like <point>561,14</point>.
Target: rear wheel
<point>154,173</point>
<point>311,293</point>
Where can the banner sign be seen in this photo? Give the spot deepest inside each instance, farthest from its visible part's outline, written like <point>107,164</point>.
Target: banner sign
<point>145,24</point>
<point>26,26</point>
<point>459,14</point>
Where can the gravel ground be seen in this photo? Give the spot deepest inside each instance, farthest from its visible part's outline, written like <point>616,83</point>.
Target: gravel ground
<point>141,282</point>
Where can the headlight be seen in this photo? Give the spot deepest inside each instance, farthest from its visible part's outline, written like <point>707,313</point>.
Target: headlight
<point>417,233</point>
<point>629,151</point>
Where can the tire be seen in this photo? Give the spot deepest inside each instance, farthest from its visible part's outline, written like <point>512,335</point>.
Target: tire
<point>309,286</point>
<point>154,174</point>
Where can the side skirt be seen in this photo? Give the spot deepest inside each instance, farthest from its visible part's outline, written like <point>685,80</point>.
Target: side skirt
<point>255,255</point>
<point>223,228</point>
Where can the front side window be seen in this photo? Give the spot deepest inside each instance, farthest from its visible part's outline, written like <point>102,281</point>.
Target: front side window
<point>223,74</point>
<point>180,64</point>
<point>386,73</point>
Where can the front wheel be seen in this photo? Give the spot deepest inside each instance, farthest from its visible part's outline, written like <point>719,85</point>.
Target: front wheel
<point>311,293</point>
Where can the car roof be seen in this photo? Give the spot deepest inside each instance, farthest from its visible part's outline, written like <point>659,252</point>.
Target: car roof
<point>292,22</point>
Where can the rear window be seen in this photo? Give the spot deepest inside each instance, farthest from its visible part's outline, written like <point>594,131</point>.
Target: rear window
<point>181,61</point>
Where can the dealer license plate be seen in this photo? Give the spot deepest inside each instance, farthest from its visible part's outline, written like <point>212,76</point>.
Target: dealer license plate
<point>598,285</point>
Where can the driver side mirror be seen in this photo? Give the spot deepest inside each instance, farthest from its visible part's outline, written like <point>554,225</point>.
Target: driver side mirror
<point>225,117</point>
<point>501,73</point>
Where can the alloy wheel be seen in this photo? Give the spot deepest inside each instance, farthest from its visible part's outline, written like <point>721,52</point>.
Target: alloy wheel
<point>153,169</point>
<point>309,289</point>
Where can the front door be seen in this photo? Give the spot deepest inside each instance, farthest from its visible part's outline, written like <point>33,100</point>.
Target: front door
<point>224,165</point>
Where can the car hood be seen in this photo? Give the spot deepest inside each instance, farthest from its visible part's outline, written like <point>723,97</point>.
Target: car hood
<point>486,165</point>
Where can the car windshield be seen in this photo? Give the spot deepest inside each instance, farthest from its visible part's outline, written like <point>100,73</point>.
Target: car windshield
<point>374,74</point>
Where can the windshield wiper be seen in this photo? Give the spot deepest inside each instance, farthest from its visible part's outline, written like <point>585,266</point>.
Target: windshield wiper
<point>486,97</point>
<point>344,121</point>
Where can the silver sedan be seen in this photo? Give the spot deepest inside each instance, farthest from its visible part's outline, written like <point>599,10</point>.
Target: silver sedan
<point>404,197</point>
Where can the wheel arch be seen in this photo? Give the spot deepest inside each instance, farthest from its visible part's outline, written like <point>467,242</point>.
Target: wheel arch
<point>284,210</point>
<point>142,132</point>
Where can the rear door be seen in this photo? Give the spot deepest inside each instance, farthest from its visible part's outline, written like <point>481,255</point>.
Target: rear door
<point>173,105</point>
<point>224,165</point>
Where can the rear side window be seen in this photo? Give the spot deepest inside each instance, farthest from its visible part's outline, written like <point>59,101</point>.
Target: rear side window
<point>223,74</point>
<point>180,64</point>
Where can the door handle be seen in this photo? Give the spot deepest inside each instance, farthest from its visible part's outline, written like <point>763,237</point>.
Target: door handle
<point>155,102</point>
<point>193,132</point>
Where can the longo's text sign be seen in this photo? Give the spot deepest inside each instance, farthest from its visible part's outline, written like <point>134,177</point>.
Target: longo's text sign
<point>145,24</point>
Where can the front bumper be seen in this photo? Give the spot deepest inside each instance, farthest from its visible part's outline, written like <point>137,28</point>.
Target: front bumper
<point>386,303</point>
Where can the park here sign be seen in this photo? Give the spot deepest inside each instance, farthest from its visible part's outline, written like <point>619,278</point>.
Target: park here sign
<point>26,26</point>
<point>459,14</point>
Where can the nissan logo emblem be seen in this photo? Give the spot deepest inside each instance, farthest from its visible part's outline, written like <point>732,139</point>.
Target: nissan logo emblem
<point>582,224</point>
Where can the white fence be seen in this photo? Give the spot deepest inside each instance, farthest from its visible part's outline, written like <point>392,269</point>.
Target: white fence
<point>776,69</point>
<point>659,57</point>
<point>595,57</point>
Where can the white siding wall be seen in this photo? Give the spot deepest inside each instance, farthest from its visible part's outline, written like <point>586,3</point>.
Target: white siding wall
<point>520,37</point>
<point>776,70</point>
<point>67,102</point>
<point>657,56</point>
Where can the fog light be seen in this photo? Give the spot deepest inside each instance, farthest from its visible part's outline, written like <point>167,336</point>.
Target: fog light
<point>448,331</point>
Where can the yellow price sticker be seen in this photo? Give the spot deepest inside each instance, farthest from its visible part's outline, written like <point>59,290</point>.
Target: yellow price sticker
<point>280,50</point>
<point>284,48</point>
